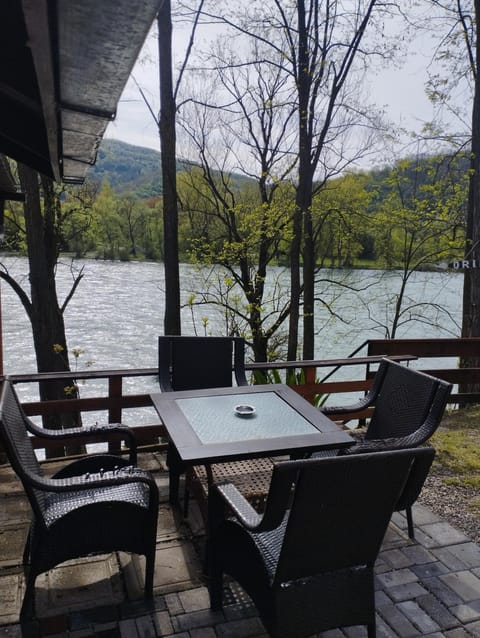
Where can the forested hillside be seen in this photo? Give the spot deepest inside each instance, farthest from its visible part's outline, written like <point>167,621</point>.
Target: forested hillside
<point>128,168</point>
<point>132,169</point>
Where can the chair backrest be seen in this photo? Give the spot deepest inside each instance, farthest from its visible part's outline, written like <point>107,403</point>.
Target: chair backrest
<point>408,401</point>
<point>191,363</point>
<point>340,509</point>
<point>17,443</point>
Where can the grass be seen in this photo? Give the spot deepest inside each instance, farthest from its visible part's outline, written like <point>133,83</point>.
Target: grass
<point>457,442</point>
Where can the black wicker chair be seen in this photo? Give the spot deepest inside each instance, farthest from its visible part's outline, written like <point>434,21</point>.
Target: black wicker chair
<point>94,505</point>
<point>308,562</point>
<point>408,406</point>
<point>190,363</point>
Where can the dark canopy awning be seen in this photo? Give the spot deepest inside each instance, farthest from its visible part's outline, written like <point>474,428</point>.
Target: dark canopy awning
<point>63,66</point>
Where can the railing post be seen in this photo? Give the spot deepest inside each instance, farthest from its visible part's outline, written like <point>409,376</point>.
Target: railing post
<point>115,410</point>
<point>310,376</point>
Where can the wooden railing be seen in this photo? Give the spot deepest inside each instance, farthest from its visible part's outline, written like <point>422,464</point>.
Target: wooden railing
<point>361,370</point>
<point>427,349</point>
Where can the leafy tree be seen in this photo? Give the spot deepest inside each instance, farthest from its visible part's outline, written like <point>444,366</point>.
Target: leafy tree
<point>418,224</point>
<point>153,231</point>
<point>454,89</point>
<point>244,224</point>
<point>241,233</point>
<point>76,223</point>
<point>312,48</point>
<point>339,216</point>
<point>108,227</point>
<point>132,221</point>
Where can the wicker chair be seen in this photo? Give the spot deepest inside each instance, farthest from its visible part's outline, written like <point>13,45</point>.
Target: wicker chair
<point>190,363</point>
<point>94,505</point>
<point>408,407</point>
<point>308,562</point>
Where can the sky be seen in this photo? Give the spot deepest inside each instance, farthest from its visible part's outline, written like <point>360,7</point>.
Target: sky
<point>401,91</point>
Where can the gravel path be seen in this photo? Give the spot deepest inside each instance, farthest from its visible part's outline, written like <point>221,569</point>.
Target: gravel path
<point>452,503</point>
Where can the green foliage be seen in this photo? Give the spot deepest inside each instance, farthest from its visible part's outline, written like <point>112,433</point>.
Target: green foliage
<point>409,216</point>
<point>134,170</point>
<point>420,218</point>
<point>456,442</point>
<point>128,168</point>
<point>339,214</point>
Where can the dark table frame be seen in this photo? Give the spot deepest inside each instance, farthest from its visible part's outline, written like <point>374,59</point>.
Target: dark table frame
<point>186,449</point>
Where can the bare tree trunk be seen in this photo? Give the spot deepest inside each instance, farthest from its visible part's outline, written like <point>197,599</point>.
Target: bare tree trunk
<point>471,287</point>
<point>172,323</point>
<point>45,315</point>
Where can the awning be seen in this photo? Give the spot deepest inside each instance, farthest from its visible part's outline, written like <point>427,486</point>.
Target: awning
<point>63,66</point>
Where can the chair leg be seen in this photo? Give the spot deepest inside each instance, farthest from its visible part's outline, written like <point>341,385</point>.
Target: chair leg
<point>186,499</point>
<point>215,590</point>
<point>26,551</point>
<point>27,611</point>
<point>149,572</point>
<point>371,630</point>
<point>214,577</point>
<point>411,529</point>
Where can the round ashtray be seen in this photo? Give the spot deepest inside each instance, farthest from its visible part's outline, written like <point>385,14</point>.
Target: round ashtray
<point>244,410</point>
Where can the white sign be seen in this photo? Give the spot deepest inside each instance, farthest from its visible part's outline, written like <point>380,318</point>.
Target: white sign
<point>461,264</point>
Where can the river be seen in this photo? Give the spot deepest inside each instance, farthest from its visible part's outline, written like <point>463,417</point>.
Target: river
<point>117,311</point>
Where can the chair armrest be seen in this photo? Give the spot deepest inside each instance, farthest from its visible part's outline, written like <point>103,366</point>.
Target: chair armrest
<point>100,431</point>
<point>362,404</point>
<point>366,401</point>
<point>122,476</point>
<point>382,445</point>
<point>237,503</point>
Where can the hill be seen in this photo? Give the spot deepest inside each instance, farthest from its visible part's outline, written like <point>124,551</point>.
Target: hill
<point>129,168</point>
<point>135,169</point>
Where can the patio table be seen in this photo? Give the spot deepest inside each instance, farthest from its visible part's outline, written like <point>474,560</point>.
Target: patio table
<point>203,426</point>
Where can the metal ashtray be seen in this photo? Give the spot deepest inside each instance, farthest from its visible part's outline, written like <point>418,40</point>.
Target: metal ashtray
<point>244,410</point>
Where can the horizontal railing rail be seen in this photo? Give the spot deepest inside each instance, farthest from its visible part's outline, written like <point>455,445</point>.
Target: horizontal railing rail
<point>114,400</point>
<point>427,349</point>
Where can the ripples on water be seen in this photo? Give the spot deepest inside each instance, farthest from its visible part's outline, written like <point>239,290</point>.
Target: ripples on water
<point>117,312</point>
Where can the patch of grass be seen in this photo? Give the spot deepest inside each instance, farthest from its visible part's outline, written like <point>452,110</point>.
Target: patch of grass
<point>457,444</point>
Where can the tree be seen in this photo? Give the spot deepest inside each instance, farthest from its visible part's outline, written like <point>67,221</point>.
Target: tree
<point>166,123</point>
<point>455,88</point>
<point>172,325</point>
<point>418,224</point>
<point>339,219</point>
<point>77,219</point>
<point>241,218</point>
<point>235,229</point>
<point>314,46</point>
<point>108,227</point>
<point>132,222</point>
<point>42,305</point>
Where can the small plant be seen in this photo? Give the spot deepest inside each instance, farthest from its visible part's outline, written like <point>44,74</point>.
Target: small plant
<point>71,390</point>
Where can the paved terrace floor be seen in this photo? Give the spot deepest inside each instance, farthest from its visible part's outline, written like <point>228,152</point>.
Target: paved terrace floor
<point>429,587</point>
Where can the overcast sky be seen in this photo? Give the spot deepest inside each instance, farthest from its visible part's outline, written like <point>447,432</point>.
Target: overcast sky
<point>400,90</point>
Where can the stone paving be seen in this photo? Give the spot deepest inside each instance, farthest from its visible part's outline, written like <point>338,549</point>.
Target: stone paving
<point>427,587</point>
